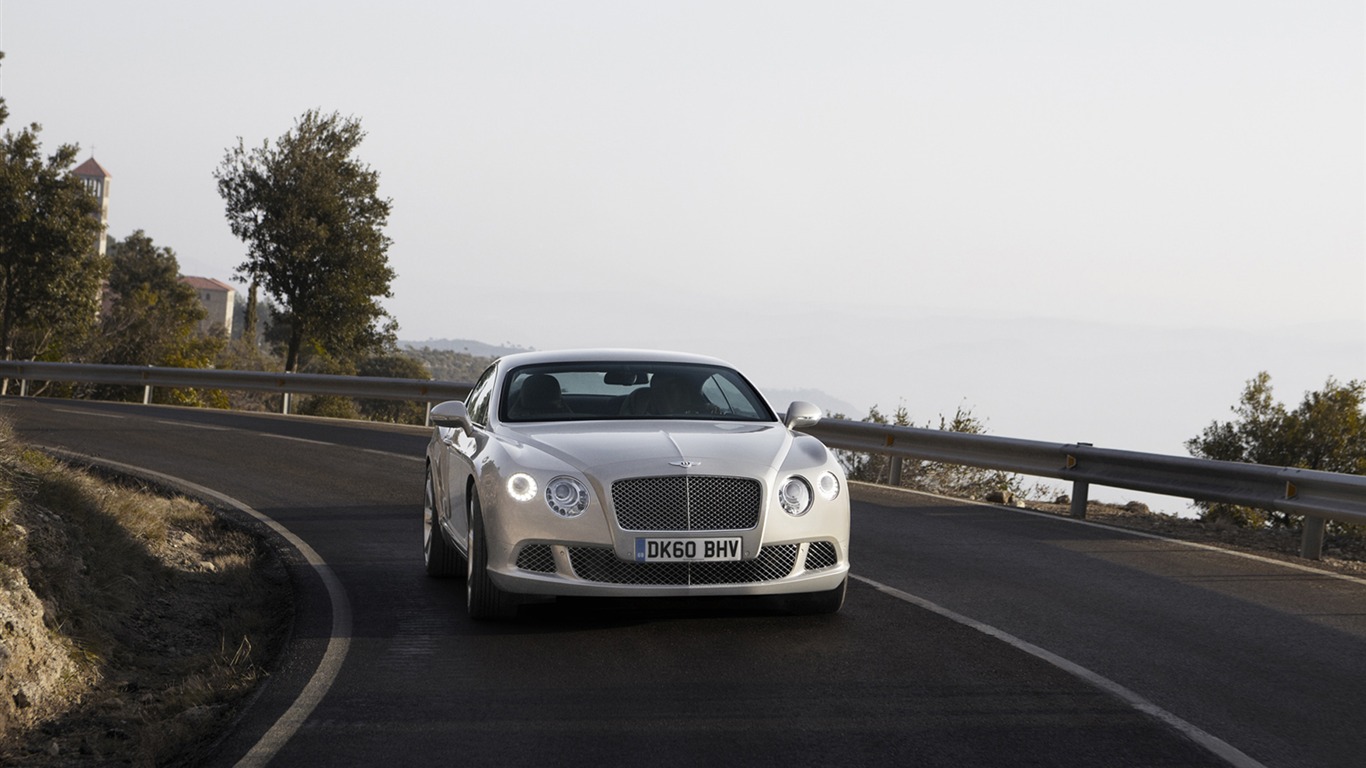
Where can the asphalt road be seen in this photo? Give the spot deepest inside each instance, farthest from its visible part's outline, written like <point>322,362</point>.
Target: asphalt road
<point>1094,647</point>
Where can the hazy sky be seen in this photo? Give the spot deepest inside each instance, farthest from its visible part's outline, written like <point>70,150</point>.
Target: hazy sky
<point>1084,220</point>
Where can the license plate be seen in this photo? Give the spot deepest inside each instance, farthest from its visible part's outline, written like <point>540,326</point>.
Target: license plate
<point>687,550</point>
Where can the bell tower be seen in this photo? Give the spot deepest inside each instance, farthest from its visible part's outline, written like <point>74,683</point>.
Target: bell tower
<point>96,180</point>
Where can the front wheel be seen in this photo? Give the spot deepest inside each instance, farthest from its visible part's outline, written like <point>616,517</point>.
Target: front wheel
<point>439,557</point>
<point>483,598</point>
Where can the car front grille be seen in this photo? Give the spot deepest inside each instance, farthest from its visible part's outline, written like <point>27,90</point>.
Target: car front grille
<point>602,565</point>
<point>687,503</point>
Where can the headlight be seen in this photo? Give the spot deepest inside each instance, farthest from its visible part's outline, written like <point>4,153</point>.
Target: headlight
<point>522,487</point>
<point>566,496</point>
<point>828,486</point>
<point>795,496</point>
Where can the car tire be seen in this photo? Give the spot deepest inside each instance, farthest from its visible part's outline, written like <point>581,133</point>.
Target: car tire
<point>483,598</point>
<point>438,555</point>
<point>813,603</point>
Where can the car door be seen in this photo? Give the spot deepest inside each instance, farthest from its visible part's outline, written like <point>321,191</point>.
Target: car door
<point>459,449</point>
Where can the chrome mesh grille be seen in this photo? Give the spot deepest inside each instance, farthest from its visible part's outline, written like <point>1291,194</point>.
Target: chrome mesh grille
<point>821,554</point>
<point>687,503</point>
<point>602,565</point>
<point>537,557</point>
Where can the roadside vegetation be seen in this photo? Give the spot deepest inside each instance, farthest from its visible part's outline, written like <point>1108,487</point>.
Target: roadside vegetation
<point>954,480</point>
<point>448,365</point>
<point>132,625</point>
<point>1326,432</point>
<point>312,221</point>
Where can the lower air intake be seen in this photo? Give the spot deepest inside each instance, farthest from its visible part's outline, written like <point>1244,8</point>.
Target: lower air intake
<point>602,565</point>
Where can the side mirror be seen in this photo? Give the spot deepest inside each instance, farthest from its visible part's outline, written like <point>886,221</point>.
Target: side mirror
<point>452,414</point>
<point>801,415</point>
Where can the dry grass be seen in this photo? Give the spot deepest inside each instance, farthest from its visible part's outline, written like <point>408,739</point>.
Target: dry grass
<point>134,624</point>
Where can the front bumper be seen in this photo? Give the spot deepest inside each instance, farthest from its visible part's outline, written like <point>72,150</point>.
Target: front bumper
<point>544,568</point>
<point>533,551</point>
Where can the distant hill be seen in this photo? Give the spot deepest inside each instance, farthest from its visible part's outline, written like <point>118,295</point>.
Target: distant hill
<point>472,348</point>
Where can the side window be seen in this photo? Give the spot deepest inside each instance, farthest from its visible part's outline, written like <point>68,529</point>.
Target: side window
<point>478,400</point>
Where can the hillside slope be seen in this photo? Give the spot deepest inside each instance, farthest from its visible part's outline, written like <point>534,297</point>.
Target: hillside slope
<point>131,626</point>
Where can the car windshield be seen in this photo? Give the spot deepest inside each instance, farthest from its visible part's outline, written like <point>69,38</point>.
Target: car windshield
<point>591,391</point>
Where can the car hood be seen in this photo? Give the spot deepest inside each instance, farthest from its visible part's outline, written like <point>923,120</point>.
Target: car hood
<point>644,448</point>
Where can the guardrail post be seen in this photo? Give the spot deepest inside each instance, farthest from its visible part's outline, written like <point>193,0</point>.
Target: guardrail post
<point>1080,488</point>
<point>1311,546</point>
<point>894,471</point>
<point>285,410</point>
<point>23,387</point>
<point>147,394</point>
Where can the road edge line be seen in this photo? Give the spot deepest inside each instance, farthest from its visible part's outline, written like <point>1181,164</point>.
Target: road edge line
<point>338,643</point>
<point>1220,748</point>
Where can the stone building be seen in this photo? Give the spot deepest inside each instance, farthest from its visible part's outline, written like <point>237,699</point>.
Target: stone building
<point>218,299</point>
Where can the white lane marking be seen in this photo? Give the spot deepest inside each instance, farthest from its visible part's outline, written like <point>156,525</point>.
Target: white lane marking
<point>337,644</point>
<point>409,457</point>
<point>1218,746</point>
<point>375,451</point>
<point>215,428</point>
<point>294,439</point>
<point>101,414</point>
<point>192,425</point>
<point>291,438</point>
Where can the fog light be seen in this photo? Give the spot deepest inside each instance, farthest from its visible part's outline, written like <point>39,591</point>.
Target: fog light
<point>828,486</point>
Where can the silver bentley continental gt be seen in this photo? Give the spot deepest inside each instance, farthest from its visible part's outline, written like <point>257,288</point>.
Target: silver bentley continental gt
<point>630,473</point>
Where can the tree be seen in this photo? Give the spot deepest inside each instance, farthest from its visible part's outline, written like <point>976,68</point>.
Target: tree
<point>154,319</point>
<point>313,222</point>
<point>251,317</point>
<point>49,272</point>
<point>1326,432</point>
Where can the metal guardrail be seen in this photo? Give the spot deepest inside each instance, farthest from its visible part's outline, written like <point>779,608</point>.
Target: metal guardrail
<point>1319,496</point>
<point>287,384</point>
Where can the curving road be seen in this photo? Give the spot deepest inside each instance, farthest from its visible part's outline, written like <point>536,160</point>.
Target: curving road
<point>972,635</point>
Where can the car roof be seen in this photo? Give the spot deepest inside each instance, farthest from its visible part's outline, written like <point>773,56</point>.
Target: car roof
<point>605,356</point>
